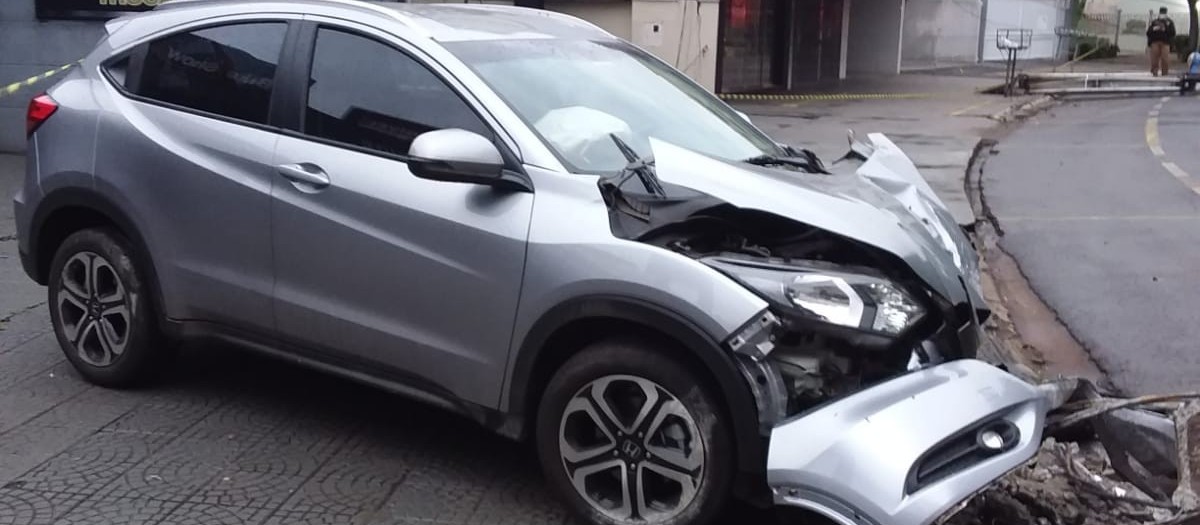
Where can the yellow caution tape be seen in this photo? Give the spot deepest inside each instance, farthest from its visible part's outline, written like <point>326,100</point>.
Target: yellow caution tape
<point>824,96</point>
<point>31,81</point>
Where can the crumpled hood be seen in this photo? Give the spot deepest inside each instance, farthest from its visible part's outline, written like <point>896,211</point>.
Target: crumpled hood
<point>884,203</point>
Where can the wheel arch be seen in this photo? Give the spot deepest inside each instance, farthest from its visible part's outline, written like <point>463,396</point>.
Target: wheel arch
<point>569,327</point>
<point>69,210</point>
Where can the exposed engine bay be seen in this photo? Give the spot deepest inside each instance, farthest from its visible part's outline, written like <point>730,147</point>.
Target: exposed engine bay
<point>807,366</point>
<point>813,366</point>
<point>844,314</point>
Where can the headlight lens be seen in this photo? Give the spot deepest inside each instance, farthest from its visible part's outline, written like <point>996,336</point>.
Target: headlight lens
<point>828,294</point>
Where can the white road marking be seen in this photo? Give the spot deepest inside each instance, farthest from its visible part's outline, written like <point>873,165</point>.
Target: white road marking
<point>1176,171</point>
<point>1082,218</point>
<point>1155,145</point>
<point>1152,137</point>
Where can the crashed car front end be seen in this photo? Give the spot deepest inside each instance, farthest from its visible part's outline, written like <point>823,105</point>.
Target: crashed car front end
<point>863,368</point>
<point>907,451</point>
<point>863,439</point>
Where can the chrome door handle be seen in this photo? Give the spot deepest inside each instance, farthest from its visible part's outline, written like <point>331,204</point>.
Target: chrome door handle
<point>309,174</point>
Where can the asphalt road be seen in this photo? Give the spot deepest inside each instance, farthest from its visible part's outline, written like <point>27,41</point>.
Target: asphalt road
<point>1097,205</point>
<point>231,438</point>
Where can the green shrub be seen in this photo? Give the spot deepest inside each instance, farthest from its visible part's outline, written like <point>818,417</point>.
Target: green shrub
<point>1104,47</point>
<point>1182,46</point>
<point>1084,48</point>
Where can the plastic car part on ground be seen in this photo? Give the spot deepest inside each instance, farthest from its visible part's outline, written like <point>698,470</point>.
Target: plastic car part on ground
<point>877,456</point>
<point>1106,461</point>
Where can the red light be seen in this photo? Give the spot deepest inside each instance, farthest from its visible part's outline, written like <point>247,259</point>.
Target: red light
<point>40,110</point>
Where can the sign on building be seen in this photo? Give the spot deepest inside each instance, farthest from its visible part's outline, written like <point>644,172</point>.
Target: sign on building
<point>77,9</point>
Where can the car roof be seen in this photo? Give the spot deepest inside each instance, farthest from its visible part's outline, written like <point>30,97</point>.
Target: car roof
<point>441,22</point>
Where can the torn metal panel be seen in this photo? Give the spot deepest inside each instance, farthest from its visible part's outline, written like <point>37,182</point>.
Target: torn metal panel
<point>865,459</point>
<point>1187,428</point>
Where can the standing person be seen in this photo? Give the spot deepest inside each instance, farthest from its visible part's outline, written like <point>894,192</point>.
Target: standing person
<point>1159,36</point>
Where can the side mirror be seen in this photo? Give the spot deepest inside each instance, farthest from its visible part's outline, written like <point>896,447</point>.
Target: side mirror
<point>456,155</point>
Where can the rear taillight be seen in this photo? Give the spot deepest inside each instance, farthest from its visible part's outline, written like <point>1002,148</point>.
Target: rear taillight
<point>40,110</point>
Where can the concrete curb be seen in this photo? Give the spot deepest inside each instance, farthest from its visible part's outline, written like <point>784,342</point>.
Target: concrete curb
<point>1024,110</point>
<point>1027,336</point>
<point>1004,345</point>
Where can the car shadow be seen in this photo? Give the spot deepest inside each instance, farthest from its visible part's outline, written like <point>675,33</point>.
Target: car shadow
<point>480,474</point>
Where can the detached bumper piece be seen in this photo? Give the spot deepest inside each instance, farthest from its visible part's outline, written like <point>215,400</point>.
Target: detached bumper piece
<point>907,451</point>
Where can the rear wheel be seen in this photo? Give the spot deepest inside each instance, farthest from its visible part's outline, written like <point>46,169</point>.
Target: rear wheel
<point>629,435</point>
<point>100,310</point>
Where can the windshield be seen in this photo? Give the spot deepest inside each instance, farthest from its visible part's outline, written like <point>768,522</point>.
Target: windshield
<point>575,93</point>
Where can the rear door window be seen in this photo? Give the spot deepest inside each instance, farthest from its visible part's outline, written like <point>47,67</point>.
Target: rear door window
<point>227,70</point>
<point>368,94</point>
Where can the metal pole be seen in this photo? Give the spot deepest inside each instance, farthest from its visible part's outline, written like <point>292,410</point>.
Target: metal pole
<point>1117,36</point>
<point>983,10</point>
<point>791,59</point>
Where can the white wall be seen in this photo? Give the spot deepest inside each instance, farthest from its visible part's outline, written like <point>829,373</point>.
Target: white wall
<point>1040,16</point>
<point>874,39</point>
<point>616,17</point>
<point>681,32</point>
<point>938,32</point>
<point>492,2</point>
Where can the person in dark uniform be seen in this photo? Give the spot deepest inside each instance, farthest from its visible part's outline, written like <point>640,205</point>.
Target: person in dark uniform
<point>1159,35</point>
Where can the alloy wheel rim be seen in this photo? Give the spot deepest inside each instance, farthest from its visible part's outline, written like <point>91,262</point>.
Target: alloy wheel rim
<point>94,309</point>
<point>631,449</point>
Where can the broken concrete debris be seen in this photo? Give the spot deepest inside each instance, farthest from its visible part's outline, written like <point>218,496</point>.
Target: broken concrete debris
<point>1104,461</point>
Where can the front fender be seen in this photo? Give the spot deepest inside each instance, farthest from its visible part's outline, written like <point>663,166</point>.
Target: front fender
<point>716,358</point>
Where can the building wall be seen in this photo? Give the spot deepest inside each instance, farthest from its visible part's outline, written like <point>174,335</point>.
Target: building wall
<point>682,33</point>
<point>616,17</point>
<point>1039,16</point>
<point>873,42</point>
<point>28,48</point>
<point>941,32</point>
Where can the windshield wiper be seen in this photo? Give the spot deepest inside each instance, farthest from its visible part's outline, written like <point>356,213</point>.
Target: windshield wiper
<point>807,161</point>
<point>643,169</point>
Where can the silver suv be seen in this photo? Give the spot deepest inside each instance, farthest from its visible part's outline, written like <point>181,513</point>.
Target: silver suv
<point>519,217</point>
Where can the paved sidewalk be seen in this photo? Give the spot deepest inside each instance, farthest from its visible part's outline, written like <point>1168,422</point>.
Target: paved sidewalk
<point>938,130</point>
<point>236,439</point>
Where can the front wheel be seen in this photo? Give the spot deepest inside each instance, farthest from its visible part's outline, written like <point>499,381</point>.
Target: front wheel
<point>628,435</point>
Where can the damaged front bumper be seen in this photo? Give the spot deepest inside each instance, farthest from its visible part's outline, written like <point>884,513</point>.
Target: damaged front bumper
<point>909,450</point>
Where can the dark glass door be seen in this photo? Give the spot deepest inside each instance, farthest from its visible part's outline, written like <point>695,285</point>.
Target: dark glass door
<point>816,41</point>
<point>831,39</point>
<point>752,46</point>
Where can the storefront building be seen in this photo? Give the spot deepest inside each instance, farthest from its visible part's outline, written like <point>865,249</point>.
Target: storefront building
<point>728,46</point>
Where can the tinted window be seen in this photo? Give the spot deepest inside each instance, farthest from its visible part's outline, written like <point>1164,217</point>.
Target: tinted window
<point>368,94</point>
<point>117,70</point>
<point>228,70</point>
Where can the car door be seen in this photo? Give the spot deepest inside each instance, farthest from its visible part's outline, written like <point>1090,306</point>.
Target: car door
<point>186,148</point>
<point>395,275</point>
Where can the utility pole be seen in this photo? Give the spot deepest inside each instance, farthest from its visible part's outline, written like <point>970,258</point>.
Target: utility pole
<point>1194,24</point>
<point>1117,36</point>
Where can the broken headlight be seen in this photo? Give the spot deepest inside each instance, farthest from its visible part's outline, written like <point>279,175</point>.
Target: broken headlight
<point>828,293</point>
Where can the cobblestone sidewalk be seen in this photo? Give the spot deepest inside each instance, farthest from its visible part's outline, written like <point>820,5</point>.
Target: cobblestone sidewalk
<point>232,438</point>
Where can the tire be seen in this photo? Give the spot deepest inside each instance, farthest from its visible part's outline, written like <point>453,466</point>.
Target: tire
<point>664,421</point>
<point>105,324</point>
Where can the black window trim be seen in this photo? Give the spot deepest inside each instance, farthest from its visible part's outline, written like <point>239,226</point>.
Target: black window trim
<point>299,70</point>
<point>137,58</point>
